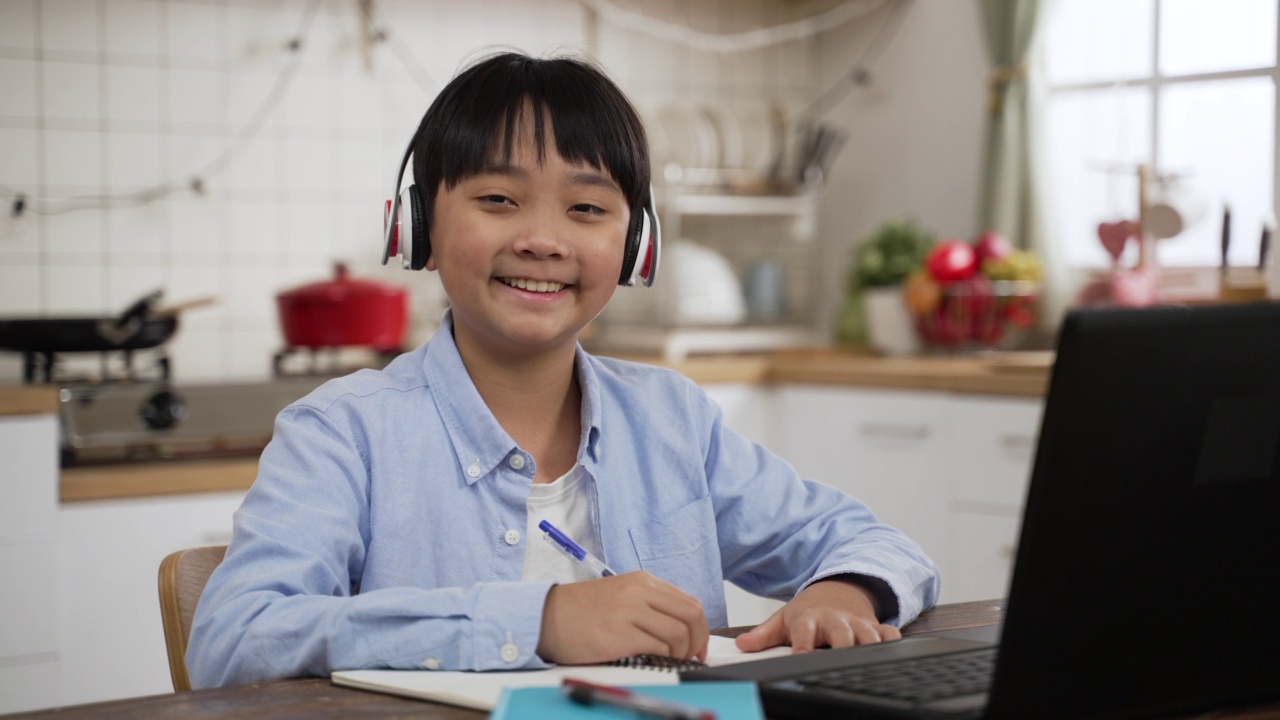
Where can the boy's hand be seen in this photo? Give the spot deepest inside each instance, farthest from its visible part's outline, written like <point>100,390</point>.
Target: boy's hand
<point>614,617</point>
<point>829,612</point>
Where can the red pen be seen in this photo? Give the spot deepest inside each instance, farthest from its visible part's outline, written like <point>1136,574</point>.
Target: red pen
<point>585,693</point>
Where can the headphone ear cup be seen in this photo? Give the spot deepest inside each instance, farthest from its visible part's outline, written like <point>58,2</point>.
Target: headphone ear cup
<point>631,252</point>
<point>652,245</point>
<point>419,242</point>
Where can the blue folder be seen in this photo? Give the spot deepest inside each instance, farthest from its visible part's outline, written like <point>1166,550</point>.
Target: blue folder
<point>729,700</point>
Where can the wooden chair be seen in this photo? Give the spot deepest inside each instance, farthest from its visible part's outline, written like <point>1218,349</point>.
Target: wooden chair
<point>183,575</point>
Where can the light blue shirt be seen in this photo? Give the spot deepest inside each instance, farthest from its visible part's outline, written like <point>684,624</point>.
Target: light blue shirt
<point>386,526</point>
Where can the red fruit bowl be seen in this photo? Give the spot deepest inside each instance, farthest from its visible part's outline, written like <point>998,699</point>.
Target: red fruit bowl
<point>979,314</point>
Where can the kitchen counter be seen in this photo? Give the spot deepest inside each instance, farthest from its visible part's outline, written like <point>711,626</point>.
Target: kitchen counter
<point>1013,374</point>
<point>28,399</point>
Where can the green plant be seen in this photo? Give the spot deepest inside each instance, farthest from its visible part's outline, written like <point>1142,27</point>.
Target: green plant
<point>891,253</point>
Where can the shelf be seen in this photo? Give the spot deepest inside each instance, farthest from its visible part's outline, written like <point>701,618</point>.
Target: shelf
<point>676,343</point>
<point>692,204</point>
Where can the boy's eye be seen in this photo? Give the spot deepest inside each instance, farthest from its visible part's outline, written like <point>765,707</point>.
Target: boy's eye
<point>495,199</point>
<point>588,209</point>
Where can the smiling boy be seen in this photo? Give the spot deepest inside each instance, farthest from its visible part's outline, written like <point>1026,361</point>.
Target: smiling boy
<point>393,522</point>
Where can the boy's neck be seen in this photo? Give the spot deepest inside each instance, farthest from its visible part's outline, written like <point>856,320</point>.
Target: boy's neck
<point>535,398</point>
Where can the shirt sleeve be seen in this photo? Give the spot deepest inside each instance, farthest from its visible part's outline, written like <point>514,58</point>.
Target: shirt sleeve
<point>779,533</point>
<point>285,602</point>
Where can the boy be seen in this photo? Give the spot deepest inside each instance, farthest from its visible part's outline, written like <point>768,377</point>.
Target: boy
<point>394,519</point>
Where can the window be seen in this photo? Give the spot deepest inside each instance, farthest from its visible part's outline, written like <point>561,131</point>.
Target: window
<point>1185,86</point>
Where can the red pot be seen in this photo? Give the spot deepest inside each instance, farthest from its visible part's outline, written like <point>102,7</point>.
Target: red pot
<point>344,312</point>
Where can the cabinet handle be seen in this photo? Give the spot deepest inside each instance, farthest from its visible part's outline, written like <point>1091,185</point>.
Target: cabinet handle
<point>893,430</point>
<point>1017,442</point>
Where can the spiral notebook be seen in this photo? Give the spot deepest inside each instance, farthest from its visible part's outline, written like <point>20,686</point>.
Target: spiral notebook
<point>481,690</point>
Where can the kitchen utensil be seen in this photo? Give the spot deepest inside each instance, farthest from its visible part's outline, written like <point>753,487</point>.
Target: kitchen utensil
<point>344,311</point>
<point>138,327</point>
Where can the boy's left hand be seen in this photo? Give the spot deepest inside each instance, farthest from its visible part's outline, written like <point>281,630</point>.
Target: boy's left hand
<point>832,612</point>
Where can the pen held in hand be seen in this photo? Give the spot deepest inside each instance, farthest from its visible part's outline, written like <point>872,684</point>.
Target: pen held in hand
<point>574,550</point>
<point>585,693</point>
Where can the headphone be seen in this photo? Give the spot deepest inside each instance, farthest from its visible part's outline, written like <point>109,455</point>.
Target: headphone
<point>407,236</point>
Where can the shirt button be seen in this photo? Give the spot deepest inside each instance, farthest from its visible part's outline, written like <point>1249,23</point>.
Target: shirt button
<point>510,653</point>
<point>431,664</point>
<point>512,537</point>
<point>474,470</point>
<point>516,461</point>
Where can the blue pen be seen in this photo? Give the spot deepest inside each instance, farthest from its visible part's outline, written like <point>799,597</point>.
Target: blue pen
<point>574,550</point>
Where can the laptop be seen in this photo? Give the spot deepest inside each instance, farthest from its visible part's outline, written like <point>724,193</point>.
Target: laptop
<point>1147,576</point>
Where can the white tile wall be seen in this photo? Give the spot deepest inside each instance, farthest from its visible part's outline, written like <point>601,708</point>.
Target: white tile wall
<point>104,97</point>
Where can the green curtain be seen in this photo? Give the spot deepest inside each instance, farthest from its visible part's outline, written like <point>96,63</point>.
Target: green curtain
<point>1007,190</point>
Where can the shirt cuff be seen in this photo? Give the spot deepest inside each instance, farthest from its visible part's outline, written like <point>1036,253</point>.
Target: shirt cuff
<point>508,624</point>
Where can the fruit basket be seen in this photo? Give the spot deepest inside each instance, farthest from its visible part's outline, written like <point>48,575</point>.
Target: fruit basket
<point>983,296</point>
<point>979,315</point>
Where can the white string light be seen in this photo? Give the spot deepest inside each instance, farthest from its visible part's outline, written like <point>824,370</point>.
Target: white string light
<point>733,42</point>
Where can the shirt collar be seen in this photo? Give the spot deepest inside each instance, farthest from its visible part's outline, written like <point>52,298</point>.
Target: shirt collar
<point>479,442</point>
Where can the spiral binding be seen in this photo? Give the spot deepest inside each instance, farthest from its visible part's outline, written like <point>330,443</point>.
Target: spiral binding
<point>661,663</point>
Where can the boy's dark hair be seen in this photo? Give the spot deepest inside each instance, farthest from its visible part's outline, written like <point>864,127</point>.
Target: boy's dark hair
<point>592,122</point>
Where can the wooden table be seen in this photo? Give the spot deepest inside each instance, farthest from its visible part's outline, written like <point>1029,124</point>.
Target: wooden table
<point>317,698</point>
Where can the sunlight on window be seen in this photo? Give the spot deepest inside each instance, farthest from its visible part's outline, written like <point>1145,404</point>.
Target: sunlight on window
<point>1099,40</point>
<point>1224,133</point>
<point>1108,107</point>
<point>1096,141</point>
<point>1199,36</point>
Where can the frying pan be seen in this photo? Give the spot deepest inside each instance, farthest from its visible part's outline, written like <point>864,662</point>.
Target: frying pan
<point>138,327</point>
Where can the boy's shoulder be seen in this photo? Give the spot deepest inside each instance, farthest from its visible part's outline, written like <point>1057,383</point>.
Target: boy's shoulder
<point>401,376</point>
<point>631,376</point>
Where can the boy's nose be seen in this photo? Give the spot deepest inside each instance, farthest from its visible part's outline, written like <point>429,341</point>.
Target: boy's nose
<point>540,238</point>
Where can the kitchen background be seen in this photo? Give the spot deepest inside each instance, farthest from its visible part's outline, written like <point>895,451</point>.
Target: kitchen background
<point>290,117</point>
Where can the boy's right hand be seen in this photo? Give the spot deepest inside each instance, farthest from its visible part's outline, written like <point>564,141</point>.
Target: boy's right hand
<point>601,620</point>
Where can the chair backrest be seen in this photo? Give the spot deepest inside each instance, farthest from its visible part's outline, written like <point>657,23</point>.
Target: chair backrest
<point>183,575</point>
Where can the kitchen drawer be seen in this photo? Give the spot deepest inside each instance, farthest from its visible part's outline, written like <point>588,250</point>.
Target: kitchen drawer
<point>29,446</point>
<point>29,686</point>
<point>29,567</point>
<point>982,557</point>
<point>886,448</point>
<point>993,442</point>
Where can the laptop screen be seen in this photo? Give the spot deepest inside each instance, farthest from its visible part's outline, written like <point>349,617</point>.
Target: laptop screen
<point>1148,572</point>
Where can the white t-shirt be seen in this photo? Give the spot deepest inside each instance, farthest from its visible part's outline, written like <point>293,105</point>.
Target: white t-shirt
<point>563,503</point>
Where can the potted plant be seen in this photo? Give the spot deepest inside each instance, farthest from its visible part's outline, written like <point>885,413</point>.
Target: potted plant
<point>874,311</point>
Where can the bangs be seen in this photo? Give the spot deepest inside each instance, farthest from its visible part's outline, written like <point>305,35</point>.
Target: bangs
<point>480,117</point>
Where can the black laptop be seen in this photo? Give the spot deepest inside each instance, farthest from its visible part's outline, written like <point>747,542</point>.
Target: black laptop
<point>1147,577</point>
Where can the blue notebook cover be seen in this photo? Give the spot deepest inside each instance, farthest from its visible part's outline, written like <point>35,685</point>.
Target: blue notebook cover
<point>729,701</point>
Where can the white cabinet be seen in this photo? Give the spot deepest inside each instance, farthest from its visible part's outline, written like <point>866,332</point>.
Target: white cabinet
<point>28,562</point>
<point>108,611</point>
<point>885,447</point>
<point>949,470</point>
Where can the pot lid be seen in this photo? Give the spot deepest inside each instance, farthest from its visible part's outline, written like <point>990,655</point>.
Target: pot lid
<point>342,286</point>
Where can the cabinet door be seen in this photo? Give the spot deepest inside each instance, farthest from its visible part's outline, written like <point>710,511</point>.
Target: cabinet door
<point>885,448</point>
<point>993,444</point>
<point>982,557</point>
<point>110,636</point>
<point>748,410</point>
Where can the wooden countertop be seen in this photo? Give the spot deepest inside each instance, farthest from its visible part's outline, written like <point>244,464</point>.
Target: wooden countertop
<point>28,399</point>
<point>1018,374</point>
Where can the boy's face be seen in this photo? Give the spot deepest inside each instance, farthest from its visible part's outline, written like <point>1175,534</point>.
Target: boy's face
<point>528,253</point>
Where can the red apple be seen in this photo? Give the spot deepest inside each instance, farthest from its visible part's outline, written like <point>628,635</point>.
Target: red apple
<point>991,245</point>
<point>951,260</point>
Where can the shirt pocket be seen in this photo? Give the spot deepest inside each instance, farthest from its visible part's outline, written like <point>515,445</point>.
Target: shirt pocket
<point>680,547</point>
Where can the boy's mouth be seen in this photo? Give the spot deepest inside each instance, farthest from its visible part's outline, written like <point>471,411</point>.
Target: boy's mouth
<point>540,286</point>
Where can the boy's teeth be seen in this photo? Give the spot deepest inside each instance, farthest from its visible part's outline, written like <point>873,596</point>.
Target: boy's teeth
<point>533,285</point>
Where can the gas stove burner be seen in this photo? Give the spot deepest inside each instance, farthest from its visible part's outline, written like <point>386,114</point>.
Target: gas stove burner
<point>308,362</point>
<point>51,367</point>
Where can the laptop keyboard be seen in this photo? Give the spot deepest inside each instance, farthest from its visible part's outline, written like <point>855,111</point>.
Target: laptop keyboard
<point>917,681</point>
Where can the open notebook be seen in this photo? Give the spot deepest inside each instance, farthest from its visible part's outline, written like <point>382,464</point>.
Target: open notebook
<point>481,690</point>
